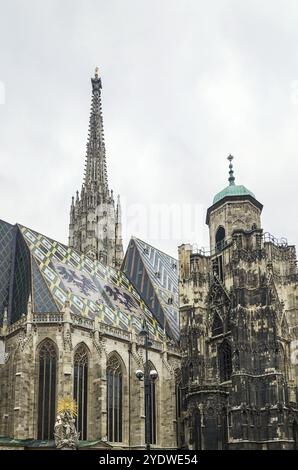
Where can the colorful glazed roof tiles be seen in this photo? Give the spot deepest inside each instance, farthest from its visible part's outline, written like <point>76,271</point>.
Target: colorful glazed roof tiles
<point>52,273</point>
<point>154,274</point>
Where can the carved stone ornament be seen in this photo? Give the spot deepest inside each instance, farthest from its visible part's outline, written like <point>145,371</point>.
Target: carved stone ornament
<point>65,433</point>
<point>67,340</point>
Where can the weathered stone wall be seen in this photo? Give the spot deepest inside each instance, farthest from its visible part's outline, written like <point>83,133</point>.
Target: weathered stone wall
<point>241,299</point>
<point>19,379</point>
<point>233,215</point>
<point>95,230</point>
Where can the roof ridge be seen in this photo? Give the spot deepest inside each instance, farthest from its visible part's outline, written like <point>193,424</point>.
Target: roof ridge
<point>157,249</point>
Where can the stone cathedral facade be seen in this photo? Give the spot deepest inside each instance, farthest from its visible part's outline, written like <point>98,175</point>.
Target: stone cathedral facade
<point>239,331</point>
<point>223,327</point>
<point>70,321</point>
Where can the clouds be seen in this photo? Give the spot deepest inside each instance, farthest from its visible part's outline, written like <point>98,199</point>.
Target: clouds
<point>184,85</point>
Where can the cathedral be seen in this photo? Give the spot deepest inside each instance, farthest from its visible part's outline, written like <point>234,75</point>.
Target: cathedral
<point>72,319</point>
<point>220,327</point>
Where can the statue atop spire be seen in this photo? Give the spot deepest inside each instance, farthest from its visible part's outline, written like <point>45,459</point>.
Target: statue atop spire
<point>231,171</point>
<point>96,81</point>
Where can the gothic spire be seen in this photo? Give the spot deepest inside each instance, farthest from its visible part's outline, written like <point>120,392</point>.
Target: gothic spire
<point>95,222</point>
<point>95,167</point>
<point>231,171</point>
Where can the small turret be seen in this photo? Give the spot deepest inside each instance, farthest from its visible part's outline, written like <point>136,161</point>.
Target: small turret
<point>233,208</point>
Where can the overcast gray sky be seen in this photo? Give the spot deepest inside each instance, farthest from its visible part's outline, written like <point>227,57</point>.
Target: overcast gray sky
<point>185,83</point>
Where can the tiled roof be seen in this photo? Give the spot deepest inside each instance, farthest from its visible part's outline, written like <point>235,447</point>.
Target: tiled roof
<point>232,190</point>
<point>52,273</point>
<point>162,272</point>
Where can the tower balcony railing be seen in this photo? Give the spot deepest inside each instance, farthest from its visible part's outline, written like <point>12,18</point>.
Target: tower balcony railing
<point>267,237</point>
<point>280,242</point>
<point>216,249</point>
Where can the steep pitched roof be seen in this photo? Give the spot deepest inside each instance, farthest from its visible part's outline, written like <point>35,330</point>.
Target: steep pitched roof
<point>155,276</point>
<point>52,273</point>
<point>7,234</point>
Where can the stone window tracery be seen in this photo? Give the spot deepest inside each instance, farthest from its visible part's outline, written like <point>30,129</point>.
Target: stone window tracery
<point>114,399</point>
<point>80,389</point>
<point>47,359</point>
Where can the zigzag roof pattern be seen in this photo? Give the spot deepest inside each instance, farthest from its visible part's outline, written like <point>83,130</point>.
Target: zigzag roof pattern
<point>59,273</point>
<point>162,271</point>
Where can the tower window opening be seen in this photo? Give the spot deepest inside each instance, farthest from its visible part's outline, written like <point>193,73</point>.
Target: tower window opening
<point>220,238</point>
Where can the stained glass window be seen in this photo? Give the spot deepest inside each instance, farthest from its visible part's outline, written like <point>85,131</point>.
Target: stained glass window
<point>47,390</point>
<point>80,389</point>
<point>114,400</point>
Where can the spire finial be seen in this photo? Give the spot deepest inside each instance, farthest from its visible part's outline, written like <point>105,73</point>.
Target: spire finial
<point>231,171</point>
<point>96,72</point>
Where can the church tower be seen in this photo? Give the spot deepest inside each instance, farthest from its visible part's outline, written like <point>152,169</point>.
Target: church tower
<point>95,218</point>
<point>238,323</point>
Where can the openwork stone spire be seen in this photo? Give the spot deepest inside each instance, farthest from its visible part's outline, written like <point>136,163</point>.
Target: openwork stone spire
<point>95,219</point>
<point>95,167</point>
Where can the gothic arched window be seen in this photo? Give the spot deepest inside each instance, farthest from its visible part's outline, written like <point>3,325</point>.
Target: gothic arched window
<point>225,361</point>
<point>114,399</point>
<point>217,325</point>
<point>80,389</point>
<point>47,358</point>
<point>152,408</point>
<point>219,237</point>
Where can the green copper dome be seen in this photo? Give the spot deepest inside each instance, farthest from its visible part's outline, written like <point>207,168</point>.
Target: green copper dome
<point>233,189</point>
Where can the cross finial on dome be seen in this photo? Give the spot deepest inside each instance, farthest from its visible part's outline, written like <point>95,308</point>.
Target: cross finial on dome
<point>231,171</point>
